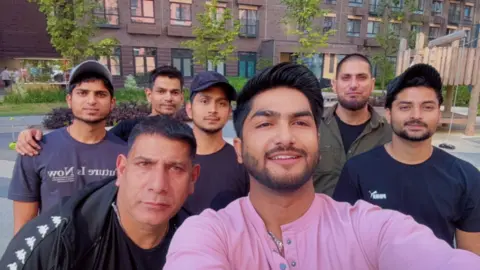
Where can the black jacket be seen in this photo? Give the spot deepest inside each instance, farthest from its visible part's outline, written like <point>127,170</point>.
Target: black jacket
<point>74,234</point>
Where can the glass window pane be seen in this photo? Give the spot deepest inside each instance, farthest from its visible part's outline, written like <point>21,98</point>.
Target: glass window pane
<point>241,69</point>
<point>187,67</point>
<point>136,7</point>
<point>250,69</point>
<point>103,60</point>
<point>221,68</point>
<point>115,65</point>
<point>210,66</point>
<point>150,63</point>
<point>242,14</point>
<point>139,65</point>
<point>186,14</point>
<point>177,63</point>
<point>148,8</point>
<point>174,11</point>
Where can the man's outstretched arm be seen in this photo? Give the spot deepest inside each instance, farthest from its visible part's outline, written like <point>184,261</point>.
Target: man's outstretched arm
<point>198,244</point>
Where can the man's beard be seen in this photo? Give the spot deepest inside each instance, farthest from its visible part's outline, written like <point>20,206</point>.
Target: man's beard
<point>402,133</point>
<point>352,105</point>
<point>210,131</point>
<point>282,184</point>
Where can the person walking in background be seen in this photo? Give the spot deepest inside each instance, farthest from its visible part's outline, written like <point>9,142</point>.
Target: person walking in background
<point>222,179</point>
<point>350,127</point>
<point>6,78</point>
<point>283,224</point>
<point>121,223</point>
<point>71,157</point>
<point>412,176</point>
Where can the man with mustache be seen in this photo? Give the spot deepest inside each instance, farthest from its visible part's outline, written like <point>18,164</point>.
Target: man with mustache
<point>412,176</point>
<point>165,95</point>
<point>350,127</point>
<point>120,223</point>
<point>283,224</point>
<point>222,179</point>
<point>74,156</point>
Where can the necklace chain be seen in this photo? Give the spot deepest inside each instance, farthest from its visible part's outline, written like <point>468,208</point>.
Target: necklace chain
<point>277,242</point>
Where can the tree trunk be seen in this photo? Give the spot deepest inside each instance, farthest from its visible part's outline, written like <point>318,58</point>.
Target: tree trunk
<point>472,111</point>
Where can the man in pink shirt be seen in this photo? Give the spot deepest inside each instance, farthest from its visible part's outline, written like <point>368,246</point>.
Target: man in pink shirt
<point>283,224</point>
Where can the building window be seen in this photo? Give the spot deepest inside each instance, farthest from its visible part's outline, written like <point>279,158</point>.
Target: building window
<point>437,8</point>
<point>467,38</point>
<point>353,28</point>
<point>329,23</point>
<point>142,11</point>
<point>454,13</point>
<point>145,60</point>
<point>450,31</point>
<point>433,32</point>
<point>397,7</point>
<point>419,6</point>
<point>372,29</point>
<point>395,28</point>
<point>182,59</point>
<point>248,22</point>
<point>330,2</point>
<point>107,12</point>
<point>180,14</point>
<point>355,3</point>
<point>468,13</point>
<point>373,8</point>
<point>112,62</point>
<point>247,63</point>
<point>220,68</point>
<point>219,10</point>
<point>416,28</point>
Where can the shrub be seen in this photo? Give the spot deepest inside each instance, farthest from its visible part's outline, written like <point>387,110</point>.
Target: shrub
<point>124,94</point>
<point>237,82</point>
<point>34,93</point>
<point>130,83</point>
<point>61,117</point>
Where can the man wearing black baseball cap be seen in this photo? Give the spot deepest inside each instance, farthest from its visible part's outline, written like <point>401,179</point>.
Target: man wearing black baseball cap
<point>412,176</point>
<point>73,156</point>
<point>222,179</point>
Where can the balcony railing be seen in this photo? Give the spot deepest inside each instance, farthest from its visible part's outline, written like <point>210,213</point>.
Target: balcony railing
<point>249,28</point>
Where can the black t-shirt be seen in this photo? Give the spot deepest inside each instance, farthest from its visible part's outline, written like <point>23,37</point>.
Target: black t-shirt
<point>222,180</point>
<point>125,127</point>
<point>442,193</point>
<point>349,133</point>
<point>129,256</point>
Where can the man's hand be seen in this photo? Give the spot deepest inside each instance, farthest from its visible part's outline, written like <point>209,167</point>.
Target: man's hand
<point>27,142</point>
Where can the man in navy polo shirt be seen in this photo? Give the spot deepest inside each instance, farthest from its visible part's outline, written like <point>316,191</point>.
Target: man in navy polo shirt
<point>409,174</point>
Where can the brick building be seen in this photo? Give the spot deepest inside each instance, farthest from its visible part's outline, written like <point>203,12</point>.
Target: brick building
<point>150,32</point>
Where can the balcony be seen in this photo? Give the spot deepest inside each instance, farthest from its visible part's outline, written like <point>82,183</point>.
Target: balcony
<point>251,2</point>
<point>359,11</point>
<point>416,17</point>
<point>454,17</point>
<point>249,28</point>
<point>467,21</point>
<point>144,29</point>
<point>179,31</point>
<point>371,42</point>
<point>374,9</point>
<point>438,20</point>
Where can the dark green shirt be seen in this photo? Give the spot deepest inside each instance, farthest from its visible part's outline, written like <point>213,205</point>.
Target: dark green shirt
<point>332,154</point>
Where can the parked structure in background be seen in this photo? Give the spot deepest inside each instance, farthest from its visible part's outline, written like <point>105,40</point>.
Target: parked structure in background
<point>150,32</point>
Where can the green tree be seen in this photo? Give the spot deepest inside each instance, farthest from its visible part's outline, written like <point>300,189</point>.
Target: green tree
<point>72,25</point>
<point>304,16</point>
<point>214,36</point>
<point>394,14</point>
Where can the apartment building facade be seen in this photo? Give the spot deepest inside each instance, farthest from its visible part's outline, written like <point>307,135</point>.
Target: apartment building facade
<point>151,31</point>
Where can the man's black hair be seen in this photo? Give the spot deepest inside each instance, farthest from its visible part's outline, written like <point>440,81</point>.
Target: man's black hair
<point>416,81</point>
<point>165,126</point>
<point>166,71</point>
<point>89,77</point>
<point>351,57</point>
<point>284,74</point>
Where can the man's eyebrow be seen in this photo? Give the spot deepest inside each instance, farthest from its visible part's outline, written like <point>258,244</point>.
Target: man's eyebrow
<point>302,114</point>
<point>265,113</point>
<point>165,89</point>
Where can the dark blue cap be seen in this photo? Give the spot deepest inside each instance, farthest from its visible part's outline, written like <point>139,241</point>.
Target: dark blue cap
<point>206,79</point>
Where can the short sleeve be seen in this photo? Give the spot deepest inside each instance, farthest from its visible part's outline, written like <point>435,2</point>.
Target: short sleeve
<point>347,189</point>
<point>26,182</point>
<point>470,217</point>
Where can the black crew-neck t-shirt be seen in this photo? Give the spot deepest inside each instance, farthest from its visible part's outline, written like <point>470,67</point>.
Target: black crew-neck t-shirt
<point>129,256</point>
<point>349,133</point>
<point>125,127</point>
<point>442,193</point>
<point>222,180</point>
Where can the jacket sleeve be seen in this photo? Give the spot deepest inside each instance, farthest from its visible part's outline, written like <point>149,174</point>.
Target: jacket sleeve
<point>392,240</point>
<point>34,246</point>
<point>198,244</point>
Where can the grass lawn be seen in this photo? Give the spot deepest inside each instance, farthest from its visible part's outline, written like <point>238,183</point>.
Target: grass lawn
<point>28,108</point>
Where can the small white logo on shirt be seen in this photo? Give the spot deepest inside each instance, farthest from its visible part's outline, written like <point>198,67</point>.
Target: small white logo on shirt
<point>377,196</point>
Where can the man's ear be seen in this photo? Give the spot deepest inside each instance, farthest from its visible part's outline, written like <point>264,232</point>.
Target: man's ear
<point>195,175</point>
<point>148,95</point>
<point>121,165</point>
<point>237,144</point>
<point>69,100</point>
<point>188,109</point>
<point>388,115</point>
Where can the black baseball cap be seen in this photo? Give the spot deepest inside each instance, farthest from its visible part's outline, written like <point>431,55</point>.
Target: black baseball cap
<point>91,66</point>
<point>427,72</point>
<point>206,79</point>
